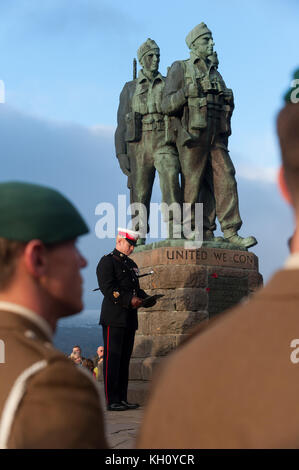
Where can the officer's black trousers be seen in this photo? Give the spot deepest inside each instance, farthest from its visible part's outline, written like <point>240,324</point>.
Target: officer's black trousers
<point>118,347</point>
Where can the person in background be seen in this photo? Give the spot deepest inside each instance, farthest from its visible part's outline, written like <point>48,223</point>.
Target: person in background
<point>99,356</point>
<point>238,384</point>
<point>77,351</point>
<point>40,283</point>
<point>98,370</point>
<point>98,363</point>
<point>88,364</point>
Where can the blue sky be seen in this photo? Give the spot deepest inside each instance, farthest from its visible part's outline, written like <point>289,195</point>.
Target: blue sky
<point>64,63</point>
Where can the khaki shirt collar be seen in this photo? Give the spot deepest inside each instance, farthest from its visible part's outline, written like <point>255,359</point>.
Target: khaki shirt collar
<point>142,78</point>
<point>292,261</point>
<point>207,64</point>
<point>40,322</point>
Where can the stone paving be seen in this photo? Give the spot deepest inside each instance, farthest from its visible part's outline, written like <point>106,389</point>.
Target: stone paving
<point>121,427</point>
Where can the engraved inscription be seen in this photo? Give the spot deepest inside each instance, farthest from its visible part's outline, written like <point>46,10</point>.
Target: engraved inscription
<point>219,257</point>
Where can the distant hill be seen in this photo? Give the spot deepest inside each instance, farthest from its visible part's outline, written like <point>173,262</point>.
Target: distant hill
<point>83,330</point>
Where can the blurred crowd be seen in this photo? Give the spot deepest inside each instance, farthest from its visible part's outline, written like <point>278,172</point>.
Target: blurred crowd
<point>93,365</point>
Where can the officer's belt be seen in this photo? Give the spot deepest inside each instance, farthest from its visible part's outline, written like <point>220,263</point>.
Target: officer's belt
<point>153,122</point>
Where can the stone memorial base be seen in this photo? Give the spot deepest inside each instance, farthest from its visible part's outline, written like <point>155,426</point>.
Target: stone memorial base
<point>197,284</point>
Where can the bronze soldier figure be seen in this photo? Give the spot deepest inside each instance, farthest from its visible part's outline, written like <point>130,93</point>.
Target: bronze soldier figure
<point>140,137</point>
<point>196,95</point>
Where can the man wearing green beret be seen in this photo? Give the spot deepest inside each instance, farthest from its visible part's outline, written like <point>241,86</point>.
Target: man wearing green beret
<point>244,393</point>
<point>196,95</point>
<point>45,400</point>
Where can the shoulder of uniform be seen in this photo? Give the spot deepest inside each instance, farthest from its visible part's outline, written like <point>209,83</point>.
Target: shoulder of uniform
<point>106,257</point>
<point>58,363</point>
<point>131,83</point>
<point>132,262</point>
<point>128,86</point>
<point>179,63</point>
<point>59,372</point>
<point>31,347</point>
<point>35,350</point>
<point>33,344</point>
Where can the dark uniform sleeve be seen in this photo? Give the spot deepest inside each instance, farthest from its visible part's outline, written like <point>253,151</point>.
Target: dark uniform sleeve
<point>109,285</point>
<point>142,294</point>
<point>173,98</point>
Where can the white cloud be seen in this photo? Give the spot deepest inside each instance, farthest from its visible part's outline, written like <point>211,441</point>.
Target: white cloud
<point>100,130</point>
<point>262,174</point>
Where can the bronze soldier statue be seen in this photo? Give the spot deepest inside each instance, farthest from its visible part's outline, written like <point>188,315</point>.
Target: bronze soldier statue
<point>140,138</point>
<point>201,105</point>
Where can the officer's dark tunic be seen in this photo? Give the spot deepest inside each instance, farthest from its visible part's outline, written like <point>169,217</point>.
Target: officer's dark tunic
<point>118,282</point>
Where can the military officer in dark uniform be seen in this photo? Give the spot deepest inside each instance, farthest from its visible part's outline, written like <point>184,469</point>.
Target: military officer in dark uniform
<point>118,282</point>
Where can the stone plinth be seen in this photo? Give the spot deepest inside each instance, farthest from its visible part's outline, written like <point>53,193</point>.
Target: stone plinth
<point>197,285</point>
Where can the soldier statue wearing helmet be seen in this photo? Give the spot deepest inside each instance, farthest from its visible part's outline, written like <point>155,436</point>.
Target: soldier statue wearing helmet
<point>196,96</point>
<point>140,138</point>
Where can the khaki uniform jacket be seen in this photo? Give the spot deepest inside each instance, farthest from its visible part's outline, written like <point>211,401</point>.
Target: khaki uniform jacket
<point>174,102</point>
<point>135,97</point>
<point>234,384</point>
<point>45,400</point>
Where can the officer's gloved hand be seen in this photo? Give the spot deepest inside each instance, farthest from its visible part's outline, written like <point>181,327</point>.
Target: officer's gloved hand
<point>124,163</point>
<point>136,302</point>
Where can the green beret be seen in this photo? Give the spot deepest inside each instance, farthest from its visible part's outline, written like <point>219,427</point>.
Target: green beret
<point>294,90</point>
<point>30,211</point>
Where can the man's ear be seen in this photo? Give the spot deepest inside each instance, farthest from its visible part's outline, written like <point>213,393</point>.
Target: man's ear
<point>284,190</point>
<point>35,258</point>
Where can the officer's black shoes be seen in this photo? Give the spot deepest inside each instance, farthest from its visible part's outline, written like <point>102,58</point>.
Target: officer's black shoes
<point>122,406</point>
<point>129,406</point>
<point>117,407</point>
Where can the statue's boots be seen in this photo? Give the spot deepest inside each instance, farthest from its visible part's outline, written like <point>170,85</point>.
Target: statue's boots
<point>208,236</point>
<point>240,241</point>
<point>140,241</point>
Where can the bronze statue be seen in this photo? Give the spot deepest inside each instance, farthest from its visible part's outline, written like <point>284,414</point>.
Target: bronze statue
<point>140,138</point>
<point>200,105</point>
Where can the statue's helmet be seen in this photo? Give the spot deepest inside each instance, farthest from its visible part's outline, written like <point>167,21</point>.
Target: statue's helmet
<point>148,45</point>
<point>196,32</point>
